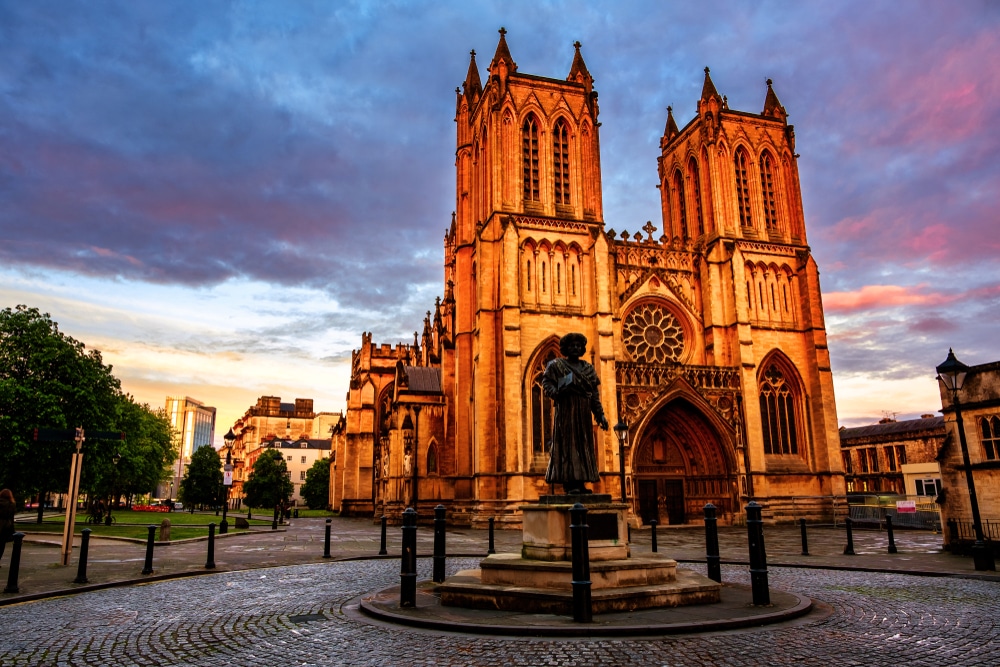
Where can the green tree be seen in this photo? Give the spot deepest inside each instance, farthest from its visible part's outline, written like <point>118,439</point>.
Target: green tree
<point>268,483</point>
<point>202,483</point>
<point>50,380</point>
<point>316,490</point>
<point>147,451</point>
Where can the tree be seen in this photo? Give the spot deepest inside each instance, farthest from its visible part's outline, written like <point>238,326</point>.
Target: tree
<point>268,484</point>
<point>49,380</point>
<point>316,490</point>
<point>148,448</point>
<point>202,483</point>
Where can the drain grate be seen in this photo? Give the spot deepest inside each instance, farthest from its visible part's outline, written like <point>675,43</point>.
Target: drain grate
<point>307,618</point>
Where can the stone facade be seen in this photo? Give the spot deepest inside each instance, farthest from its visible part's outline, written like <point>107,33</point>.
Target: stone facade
<point>877,457</point>
<point>979,401</point>
<point>708,336</point>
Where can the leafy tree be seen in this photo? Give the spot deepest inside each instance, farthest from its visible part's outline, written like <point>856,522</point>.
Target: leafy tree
<point>202,483</point>
<point>268,483</point>
<point>316,490</point>
<point>147,451</point>
<point>49,380</point>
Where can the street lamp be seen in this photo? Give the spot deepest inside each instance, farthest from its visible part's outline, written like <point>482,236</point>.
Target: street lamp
<point>621,431</point>
<point>227,479</point>
<point>952,374</point>
<point>114,482</point>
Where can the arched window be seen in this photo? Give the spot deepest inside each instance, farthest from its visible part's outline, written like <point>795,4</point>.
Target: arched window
<point>432,459</point>
<point>681,204</point>
<point>767,191</point>
<point>560,161</point>
<point>544,287</point>
<point>777,413</point>
<point>572,279</point>
<point>990,428</point>
<point>541,406</point>
<point>529,147</point>
<point>741,163</point>
<point>558,278</point>
<point>696,186</point>
<point>529,275</point>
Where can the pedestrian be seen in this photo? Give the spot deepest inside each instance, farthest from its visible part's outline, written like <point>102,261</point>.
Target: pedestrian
<point>7,506</point>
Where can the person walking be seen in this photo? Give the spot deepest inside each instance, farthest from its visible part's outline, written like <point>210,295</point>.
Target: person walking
<point>7,507</point>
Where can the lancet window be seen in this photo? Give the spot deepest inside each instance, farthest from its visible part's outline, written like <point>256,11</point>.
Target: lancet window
<point>741,164</point>
<point>696,191</point>
<point>681,204</point>
<point>767,191</point>
<point>529,142</point>
<point>542,408</point>
<point>777,413</point>
<point>560,161</point>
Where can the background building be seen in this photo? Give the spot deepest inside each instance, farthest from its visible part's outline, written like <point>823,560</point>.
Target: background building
<point>892,456</point>
<point>299,456</point>
<point>193,425</point>
<point>706,329</point>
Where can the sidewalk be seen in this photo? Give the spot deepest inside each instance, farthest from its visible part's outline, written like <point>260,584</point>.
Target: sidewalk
<point>116,562</point>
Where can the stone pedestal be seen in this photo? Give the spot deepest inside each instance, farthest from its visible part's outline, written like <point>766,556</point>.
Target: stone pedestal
<point>539,579</point>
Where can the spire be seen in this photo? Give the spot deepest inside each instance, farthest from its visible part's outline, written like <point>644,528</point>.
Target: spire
<point>473,86</point>
<point>670,131</point>
<point>708,90</point>
<point>578,71</point>
<point>772,107</point>
<point>502,56</point>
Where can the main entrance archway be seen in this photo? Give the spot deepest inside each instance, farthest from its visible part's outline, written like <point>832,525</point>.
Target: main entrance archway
<point>681,463</point>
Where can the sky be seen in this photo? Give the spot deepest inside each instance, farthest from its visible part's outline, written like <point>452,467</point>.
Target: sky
<point>222,196</point>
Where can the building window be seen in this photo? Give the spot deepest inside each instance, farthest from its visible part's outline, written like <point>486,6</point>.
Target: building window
<point>544,282</point>
<point>777,413</point>
<point>862,461</point>
<point>558,278</point>
<point>432,459</point>
<point>542,408</point>
<point>989,428</point>
<point>681,204</point>
<point>767,190</point>
<point>572,279</point>
<point>302,475</point>
<point>848,468</point>
<point>529,141</point>
<point>696,187</point>
<point>560,161</point>
<point>289,458</point>
<point>869,459</point>
<point>740,161</point>
<point>529,275</point>
<point>890,459</point>
<point>928,487</point>
<point>303,459</point>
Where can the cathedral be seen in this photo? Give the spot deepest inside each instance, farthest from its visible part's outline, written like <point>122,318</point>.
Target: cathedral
<point>706,329</point>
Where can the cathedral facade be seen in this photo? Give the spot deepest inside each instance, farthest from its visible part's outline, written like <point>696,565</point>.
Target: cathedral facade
<point>706,329</point>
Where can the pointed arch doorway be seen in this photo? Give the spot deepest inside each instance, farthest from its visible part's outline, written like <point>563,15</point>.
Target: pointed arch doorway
<point>681,463</point>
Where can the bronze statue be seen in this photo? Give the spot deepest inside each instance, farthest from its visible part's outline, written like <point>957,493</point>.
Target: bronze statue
<point>572,384</point>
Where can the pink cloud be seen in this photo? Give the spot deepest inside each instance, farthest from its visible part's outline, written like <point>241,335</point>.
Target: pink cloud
<point>875,297</point>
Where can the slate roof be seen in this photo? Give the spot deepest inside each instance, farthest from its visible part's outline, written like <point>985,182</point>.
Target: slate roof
<point>423,379</point>
<point>890,429</point>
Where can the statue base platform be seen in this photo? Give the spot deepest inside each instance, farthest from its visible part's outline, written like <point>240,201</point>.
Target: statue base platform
<point>540,578</point>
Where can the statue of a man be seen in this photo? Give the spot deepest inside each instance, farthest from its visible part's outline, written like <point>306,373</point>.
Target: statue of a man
<point>573,386</point>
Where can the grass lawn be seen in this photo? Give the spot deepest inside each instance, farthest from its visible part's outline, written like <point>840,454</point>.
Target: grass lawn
<point>304,513</point>
<point>183,525</point>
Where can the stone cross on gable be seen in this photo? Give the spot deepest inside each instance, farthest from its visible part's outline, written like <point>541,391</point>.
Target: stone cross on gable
<point>649,229</point>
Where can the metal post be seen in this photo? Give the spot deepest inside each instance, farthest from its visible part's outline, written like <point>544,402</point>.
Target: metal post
<point>952,534</point>
<point>982,555</point>
<point>274,520</point>
<point>439,549</point>
<point>326,539</point>
<point>224,525</point>
<point>210,561</point>
<point>892,539</point>
<point>81,568</point>
<point>491,549</point>
<point>408,562</point>
<point>805,538</point>
<point>582,611</point>
<point>849,549</point>
<point>758,555</point>
<point>652,525</point>
<point>382,550</point>
<point>147,568</point>
<point>15,564</point>
<point>712,544</point>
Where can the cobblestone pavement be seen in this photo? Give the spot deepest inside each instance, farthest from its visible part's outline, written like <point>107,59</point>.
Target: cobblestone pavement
<point>299,615</point>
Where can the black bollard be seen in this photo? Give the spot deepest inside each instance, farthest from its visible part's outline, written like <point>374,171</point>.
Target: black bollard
<point>758,556</point>
<point>582,611</point>
<point>892,539</point>
<point>439,526</point>
<point>652,525</point>
<point>712,544</point>
<point>491,549</point>
<point>952,532</point>
<point>849,549</point>
<point>408,564</point>
<point>210,561</point>
<point>15,564</point>
<point>147,568</point>
<point>326,540</point>
<point>248,513</point>
<point>81,568</point>
<point>805,538</point>
<point>382,550</point>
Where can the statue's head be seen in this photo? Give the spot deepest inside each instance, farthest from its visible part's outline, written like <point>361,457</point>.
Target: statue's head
<point>577,340</point>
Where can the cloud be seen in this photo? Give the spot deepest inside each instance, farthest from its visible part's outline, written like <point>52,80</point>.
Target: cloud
<point>872,297</point>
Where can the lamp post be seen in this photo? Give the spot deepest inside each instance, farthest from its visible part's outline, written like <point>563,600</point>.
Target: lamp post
<point>621,431</point>
<point>114,482</point>
<point>952,375</point>
<point>227,479</point>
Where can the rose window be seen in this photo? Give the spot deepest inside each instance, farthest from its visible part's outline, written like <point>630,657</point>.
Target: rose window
<point>652,334</point>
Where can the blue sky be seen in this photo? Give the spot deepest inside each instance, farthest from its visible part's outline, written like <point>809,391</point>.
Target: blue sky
<point>222,196</point>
